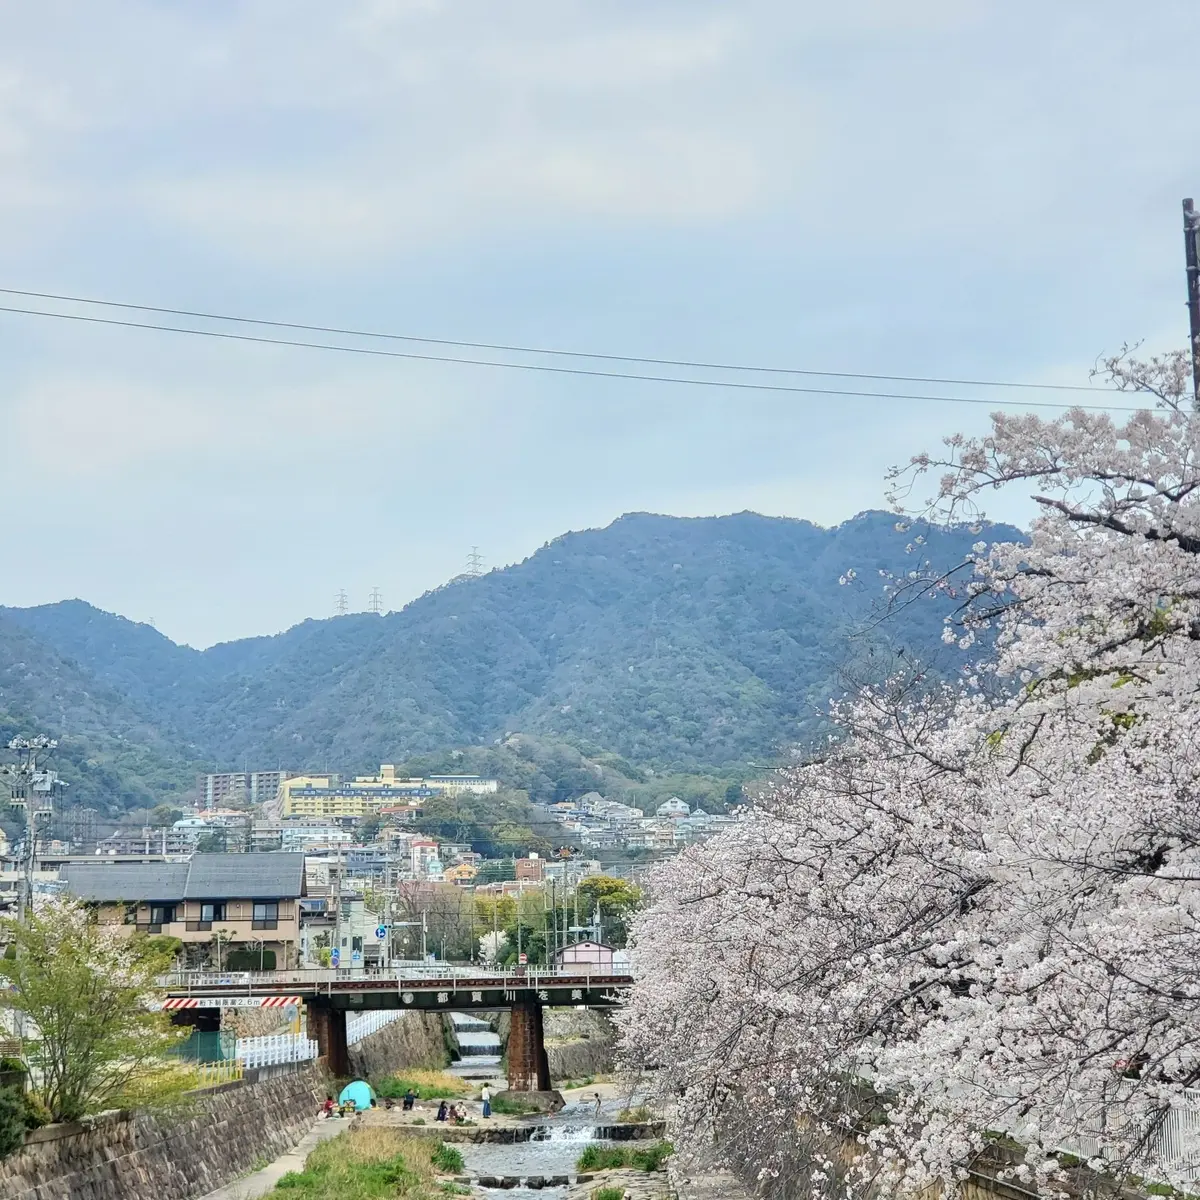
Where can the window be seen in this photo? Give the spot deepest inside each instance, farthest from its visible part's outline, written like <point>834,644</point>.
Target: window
<point>212,912</point>
<point>266,914</point>
<point>356,945</point>
<point>160,915</point>
<point>130,914</point>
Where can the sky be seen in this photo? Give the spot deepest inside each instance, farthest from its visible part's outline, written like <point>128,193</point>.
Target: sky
<point>956,188</point>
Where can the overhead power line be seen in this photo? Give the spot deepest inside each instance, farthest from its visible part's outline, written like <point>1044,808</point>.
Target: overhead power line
<point>593,373</point>
<point>599,356</point>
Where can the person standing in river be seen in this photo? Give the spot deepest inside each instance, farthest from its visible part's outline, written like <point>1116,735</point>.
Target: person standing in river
<point>486,1097</point>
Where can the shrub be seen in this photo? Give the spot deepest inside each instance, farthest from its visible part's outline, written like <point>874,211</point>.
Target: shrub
<point>638,1115</point>
<point>609,1193</point>
<point>36,1112</point>
<point>448,1159</point>
<point>12,1121</point>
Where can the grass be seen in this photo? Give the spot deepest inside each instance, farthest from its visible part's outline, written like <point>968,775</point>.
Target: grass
<point>448,1160</point>
<point>429,1085</point>
<point>513,1108</point>
<point>368,1164</point>
<point>610,1158</point>
<point>609,1194</point>
<point>638,1115</point>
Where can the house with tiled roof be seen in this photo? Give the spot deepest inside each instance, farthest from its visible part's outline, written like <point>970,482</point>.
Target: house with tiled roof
<point>234,911</point>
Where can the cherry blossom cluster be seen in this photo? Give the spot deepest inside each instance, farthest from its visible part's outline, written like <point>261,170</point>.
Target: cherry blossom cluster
<point>977,911</point>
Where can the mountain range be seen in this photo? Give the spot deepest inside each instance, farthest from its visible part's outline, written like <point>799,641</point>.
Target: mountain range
<point>676,643</point>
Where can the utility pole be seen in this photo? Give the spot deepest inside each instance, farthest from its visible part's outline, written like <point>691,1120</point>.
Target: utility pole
<point>474,563</point>
<point>33,790</point>
<point>337,906</point>
<point>1191,236</point>
<point>376,602</point>
<point>341,605</point>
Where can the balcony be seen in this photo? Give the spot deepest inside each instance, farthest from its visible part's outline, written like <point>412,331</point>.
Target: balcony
<point>147,927</point>
<point>264,924</point>
<point>199,926</point>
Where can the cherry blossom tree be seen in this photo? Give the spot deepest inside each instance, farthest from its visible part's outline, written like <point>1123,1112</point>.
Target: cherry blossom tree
<point>976,911</point>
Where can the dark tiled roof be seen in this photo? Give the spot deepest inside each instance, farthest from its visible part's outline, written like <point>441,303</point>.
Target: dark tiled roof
<point>205,877</point>
<point>245,876</point>
<point>126,881</point>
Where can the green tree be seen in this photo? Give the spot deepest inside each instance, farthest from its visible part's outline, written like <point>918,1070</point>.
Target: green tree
<point>164,814</point>
<point>212,843</point>
<point>86,989</point>
<point>617,900</point>
<point>368,828</point>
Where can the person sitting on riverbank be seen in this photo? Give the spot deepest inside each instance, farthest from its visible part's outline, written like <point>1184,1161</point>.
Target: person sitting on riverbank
<point>327,1108</point>
<point>410,1098</point>
<point>443,1110</point>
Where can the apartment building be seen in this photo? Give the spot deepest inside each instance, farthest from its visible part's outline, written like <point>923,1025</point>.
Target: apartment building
<point>241,787</point>
<point>331,796</point>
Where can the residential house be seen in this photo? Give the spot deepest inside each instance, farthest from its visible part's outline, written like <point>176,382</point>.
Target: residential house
<point>674,807</point>
<point>424,853</point>
<point>532,868</point>
<point>218,905</point>
<point>585,958</point>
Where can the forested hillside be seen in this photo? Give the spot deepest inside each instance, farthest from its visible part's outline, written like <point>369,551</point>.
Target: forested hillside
<point>112,753</point>
<point>679,644</point>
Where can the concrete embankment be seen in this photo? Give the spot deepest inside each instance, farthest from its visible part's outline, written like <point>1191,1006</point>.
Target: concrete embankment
<point>223,1135</point>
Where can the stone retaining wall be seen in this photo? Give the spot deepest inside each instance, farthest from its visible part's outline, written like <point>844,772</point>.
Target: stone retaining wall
<point>413,1040</point>
<point>579,1043</point>
<point>224,1133</point>
<point>116,1156</point>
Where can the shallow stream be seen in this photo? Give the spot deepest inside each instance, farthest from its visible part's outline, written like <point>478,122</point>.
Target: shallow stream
<point>557,1141</point>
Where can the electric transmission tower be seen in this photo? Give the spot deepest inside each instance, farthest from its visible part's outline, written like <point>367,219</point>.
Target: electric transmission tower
<point>474,563</point>
<point>341,606</point>
<point>376,602</point>
<point>31,788</point>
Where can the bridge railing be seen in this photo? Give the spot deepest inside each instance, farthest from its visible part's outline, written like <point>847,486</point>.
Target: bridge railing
<point>452,976</point>
<point>274,1049</point>
<point>362,1025</point>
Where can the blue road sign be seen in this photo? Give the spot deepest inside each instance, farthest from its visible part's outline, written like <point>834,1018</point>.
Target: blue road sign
<point>336,956</point>
<point>381,931</point>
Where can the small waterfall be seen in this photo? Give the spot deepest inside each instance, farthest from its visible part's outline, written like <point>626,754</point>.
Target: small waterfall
<point>564,1133</point>
<point>479,1046</point>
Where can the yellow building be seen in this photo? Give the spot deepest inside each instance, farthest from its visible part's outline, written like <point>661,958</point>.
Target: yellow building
<point>329,796</point>
<point>463,874</point>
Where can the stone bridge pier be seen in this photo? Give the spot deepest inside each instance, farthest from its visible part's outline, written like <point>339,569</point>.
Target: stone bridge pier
<point>327,1027</point>
<point>528,1066</point>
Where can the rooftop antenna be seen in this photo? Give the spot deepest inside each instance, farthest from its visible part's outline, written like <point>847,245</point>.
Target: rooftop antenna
<point>341,605</point>
<point>376,602</point>
<point>474,563</point>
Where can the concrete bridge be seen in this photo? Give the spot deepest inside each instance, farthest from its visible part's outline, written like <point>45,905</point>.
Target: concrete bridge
<point>328,995</point>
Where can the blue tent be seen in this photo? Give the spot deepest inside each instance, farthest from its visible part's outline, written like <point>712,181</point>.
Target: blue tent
<point>358,1093</point>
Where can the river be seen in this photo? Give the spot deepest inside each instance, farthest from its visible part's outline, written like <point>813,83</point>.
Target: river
<point>557,1141</point>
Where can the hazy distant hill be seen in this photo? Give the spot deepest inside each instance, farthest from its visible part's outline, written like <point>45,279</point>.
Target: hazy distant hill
<point>679,643</point>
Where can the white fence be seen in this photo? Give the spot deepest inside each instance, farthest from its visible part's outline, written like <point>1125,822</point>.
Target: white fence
<point>1176,1145</point>
<point>361,1025</point>
<point>278,1048</point>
